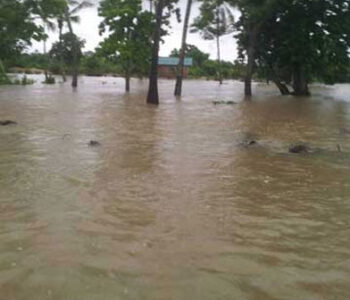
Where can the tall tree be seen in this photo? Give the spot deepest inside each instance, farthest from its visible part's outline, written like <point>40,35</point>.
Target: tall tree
<point>128,29</point>
<point>47,10</point>
<point>60,23</point>
<point>180,67</point>
<point>215,20</point>
<point>254,15</point>
<point>64,49</point>
<point>73,7</point>
<point>307,39</point>
<point>164,9</point>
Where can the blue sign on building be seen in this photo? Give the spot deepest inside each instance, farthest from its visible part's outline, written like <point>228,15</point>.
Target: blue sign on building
<point>174,61</point>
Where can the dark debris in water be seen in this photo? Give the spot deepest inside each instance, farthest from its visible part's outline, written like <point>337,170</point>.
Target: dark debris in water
<point>299,148</point>
<point>93,143</point>
<point>248,143</point>
<point>248,140</point>
<point>222,102</point>
<point>7,123</point>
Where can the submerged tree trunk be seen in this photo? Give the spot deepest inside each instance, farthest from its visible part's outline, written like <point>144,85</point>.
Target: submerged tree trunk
<point>127,81</point>
<point>153,97</point>
<point>74,50</point>
<point>3,77</point>
<point>283,88</point>
<point>63,72</point>
<point>180,70</point>
<point>45,55</point>
<point>300,83</point>
<point>250,61</point>
<point>218,44</point>
<point>2,69</point>
<point>219,58</point>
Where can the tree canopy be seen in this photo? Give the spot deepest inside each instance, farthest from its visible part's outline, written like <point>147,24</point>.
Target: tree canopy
<point>128,30</point>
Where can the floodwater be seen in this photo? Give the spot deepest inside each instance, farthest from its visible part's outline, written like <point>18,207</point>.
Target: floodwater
<point>171,205</point>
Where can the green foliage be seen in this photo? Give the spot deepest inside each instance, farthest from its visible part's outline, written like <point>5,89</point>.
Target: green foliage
<point>64,49</point>
<point>93,64</point>
<point>24,81</point>
<point>34,60</point>
<point>128,29</point>
<point>313,34</point>
<point>3,77</point>
<point>215,19</point>
<point>17,26</point>
<point>301,39</point>
<point>199,57</point>
<point>205,67</point>
<point>50,80</point>
<point>17,81</point>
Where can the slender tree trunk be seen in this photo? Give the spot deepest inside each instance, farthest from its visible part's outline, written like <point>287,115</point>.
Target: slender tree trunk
<point>250,63</point>
<point>219,57</point>
<point>127,83</point>
<point>153,97</point>
<point>127,80</point>
<point>180,68</point>
<point>3,76</point>
<point>74,49</point>
<point>283,88</point>
<point>218,44</point>
<point>300,84</point>
<point>151,6</point>
<point>45,55</point>
<point>63,73</point>
<point>2,69</point>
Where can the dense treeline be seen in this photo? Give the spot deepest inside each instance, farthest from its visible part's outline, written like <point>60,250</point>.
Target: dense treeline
<point>290,43</point>
<point>97,64</point>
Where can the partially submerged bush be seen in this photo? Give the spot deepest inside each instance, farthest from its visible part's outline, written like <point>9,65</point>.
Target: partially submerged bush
<point>5,80</point>
<point>23,81</point>
<point>50,80</point>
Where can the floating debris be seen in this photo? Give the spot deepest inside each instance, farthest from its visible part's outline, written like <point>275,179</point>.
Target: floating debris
<point>248,143</point>
<point>93,143</point>
<point>224,102</point>
<point>299,148</point>
<point>7,122</point>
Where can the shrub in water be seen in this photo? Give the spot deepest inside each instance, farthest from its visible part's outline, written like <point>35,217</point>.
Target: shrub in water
<point>50,80</point>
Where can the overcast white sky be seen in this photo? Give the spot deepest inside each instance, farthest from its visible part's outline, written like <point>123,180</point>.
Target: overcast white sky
<point>88,30</point>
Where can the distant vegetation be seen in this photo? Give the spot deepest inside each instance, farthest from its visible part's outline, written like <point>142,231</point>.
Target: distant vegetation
<point>203,67</point>
<point>290,43</point>
<point>96,64</point>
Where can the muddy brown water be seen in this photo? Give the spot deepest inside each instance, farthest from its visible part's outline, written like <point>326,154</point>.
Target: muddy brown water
<point>171,206</point>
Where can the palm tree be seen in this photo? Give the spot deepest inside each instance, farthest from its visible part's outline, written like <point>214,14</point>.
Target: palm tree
<point>73,7</point>
<point>178,86</point>
<point>60,22</point>
<point>47,11</point>
<point>216,20</point>
<point>48,24</point>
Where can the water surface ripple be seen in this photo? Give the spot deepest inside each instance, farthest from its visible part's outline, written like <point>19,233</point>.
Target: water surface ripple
<point>172,206</point>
